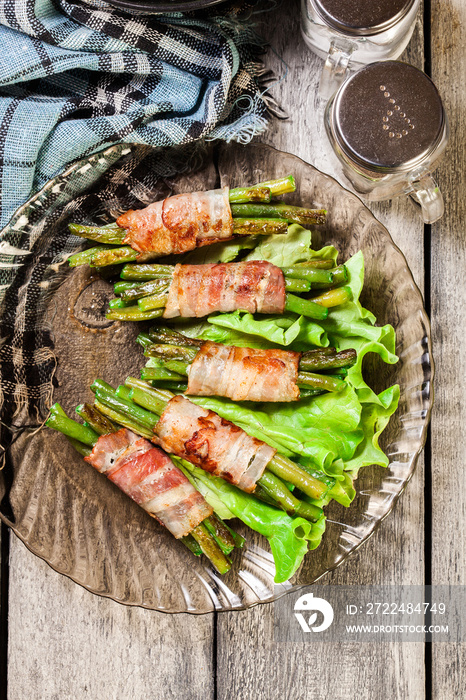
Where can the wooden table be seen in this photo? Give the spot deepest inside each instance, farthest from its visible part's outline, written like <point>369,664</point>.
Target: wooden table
<point>59,641</point>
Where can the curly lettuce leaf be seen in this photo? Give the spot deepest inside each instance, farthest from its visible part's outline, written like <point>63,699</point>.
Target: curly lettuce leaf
<point>293,248</point>
<point>353,321</point>
<point>284,330</point>
<point>374,418</point>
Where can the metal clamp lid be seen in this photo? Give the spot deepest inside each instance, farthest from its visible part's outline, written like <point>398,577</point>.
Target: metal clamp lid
<point>388,117</point>
<point>362,17</point>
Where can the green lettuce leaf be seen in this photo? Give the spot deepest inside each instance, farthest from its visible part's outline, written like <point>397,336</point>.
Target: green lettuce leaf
<point>219,252</point>
<point>293,248</point>
<point>374,418</point>
<point>272,330</point>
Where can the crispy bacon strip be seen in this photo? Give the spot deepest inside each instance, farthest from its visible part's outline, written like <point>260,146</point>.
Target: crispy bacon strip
<point>149,477</point>
<point>198,290</point>
<point>180,223</point>
<point>212,443</point>
<point>244,374</point>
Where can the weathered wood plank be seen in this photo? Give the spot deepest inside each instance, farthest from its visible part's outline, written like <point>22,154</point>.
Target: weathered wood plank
<point>67,643</point>
<point>448,303</point>
<point>249,663</point>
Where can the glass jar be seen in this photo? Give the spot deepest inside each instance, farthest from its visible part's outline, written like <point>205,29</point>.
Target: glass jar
<point>388,128</point>
<point>351,34</point>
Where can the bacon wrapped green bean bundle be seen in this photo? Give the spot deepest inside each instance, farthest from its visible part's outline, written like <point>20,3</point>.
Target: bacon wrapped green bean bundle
<point>149,477</point>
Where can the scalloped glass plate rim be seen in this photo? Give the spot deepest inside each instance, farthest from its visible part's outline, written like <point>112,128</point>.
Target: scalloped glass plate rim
<point>126,148</point>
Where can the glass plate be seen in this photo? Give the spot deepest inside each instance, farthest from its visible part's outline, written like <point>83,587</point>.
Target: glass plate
<point>77,521</point>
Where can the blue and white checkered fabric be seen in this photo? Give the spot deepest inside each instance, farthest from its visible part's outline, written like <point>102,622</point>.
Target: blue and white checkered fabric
<point>76,76</point>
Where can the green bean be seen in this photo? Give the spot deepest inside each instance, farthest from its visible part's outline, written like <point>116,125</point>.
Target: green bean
<point>338,372</point>
<point>256,193</point>
<point>340,275</point>
<point>312,275</point>
<point>263,495</point>
<point>304,307</point>
<point>237,538</point>
<point>220,533</point>
<point>176,366</point>
<point>123,392</point>
<point>266,227</point>
<point>99,423</point>
<point>122,286</point>
<point>161,394</point>
<point>110,234</point>
<point>296,285</point>
<point>144,340</point>
<point>277,490</point>
<point>289,471</point>
<point>83,450</point>
<point>148,400</point>
<point>72,429</point>
<point>131,410</point>
<point>114,256</point>
<point>119,303</point>
<point>300,215</point>
<point>145,289</point>
<point>280,186</point>
<point>191,544</point>
<point>319,263</point>
<point>176,387</point>
<point>122,419</point>
<point>58,410</point>
<point>163,334</point>
<point>320,381</point>
<point>334,297</point>
<point>324,351</point>
<point>100,384</point>
<point>211,549</point>
<point>160,373</point>
<point>133,313</point>
<point>145,271</point>
<point>316,360</point>
<point>85,257</point>
<point>171,352</point>
<point>306,393</point>
<point>154,301</point>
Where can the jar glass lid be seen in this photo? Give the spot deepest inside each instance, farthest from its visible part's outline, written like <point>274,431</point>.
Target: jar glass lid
<point>388,116</point>
<point>362,17</point>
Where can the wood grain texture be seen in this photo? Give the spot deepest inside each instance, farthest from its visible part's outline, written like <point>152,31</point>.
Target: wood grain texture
<point>67,643</point>
<point>448,303</point>
<point>250,664</point>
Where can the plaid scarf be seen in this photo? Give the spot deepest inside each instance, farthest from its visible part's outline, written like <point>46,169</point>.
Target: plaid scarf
<point>77,76</point>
